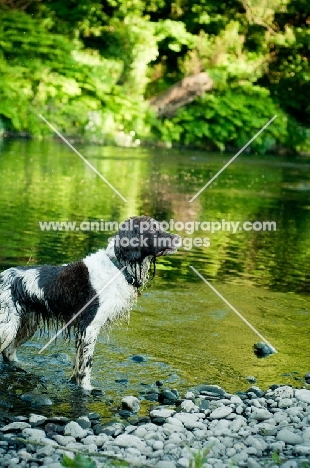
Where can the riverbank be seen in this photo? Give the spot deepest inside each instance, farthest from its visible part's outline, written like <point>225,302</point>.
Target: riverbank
<point>248,429</point>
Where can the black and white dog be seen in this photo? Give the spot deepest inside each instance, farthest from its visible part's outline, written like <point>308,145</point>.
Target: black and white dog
<point>49,296</point>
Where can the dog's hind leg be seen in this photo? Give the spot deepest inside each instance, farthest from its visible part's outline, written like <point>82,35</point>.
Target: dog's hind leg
<point>85,345</point>
<point>9,326</point>
<point>25,331</point>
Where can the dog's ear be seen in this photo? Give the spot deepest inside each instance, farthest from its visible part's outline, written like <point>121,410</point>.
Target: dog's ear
<point>127,244</point>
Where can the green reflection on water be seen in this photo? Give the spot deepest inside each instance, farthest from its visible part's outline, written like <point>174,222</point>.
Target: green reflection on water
<point>186,332</point>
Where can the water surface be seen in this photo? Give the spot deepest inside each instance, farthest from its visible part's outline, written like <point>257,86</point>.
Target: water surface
<point>186,333</point>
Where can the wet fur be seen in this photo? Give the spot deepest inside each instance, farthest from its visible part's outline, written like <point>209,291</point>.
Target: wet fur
<point>47,296</point>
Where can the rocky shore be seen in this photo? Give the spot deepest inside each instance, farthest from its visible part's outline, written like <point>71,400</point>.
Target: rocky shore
<point>207,427</point>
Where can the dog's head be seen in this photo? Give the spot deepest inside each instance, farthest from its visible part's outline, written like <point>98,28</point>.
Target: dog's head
<point>140,240</point>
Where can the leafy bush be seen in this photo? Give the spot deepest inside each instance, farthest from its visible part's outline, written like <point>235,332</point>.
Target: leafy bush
<point>227,119</point>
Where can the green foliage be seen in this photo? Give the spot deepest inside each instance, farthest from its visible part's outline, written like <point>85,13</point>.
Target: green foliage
<point>275,457</point>
<point>45,73</point>
<point>199,458</point>
<point>228,119</point>
<point>91,67</point>
<point>79,461</point>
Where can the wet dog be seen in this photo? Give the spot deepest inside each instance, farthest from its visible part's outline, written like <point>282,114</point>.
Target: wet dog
<point>47,296</point>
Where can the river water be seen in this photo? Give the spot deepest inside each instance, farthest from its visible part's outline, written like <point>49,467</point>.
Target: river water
<point>185,332</point>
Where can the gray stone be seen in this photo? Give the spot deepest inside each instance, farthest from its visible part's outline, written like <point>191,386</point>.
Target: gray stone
<point>128,440</point>
<point>24,454</point>
<point>176,422</point>
<point>188,406</point>
<point>256,390</point>
<point>36,419</point>
<point>165,464</point>
<point>251,463</point>
<point>236,400</point>
<point>41,400</point>
<point>303,395</point>
<point>266,429</point>
<point>251,379</point>
<point>93,416</point>
<point>215,389</point>
<point>35,434</point>
<point>190,420</point>
<point>63,440</point>
<point>98,440</point>
<point>15,426</point>
<point>289,437</point>
<point>285,403</point>
<point>260,414</point>
<point>281,392</point>
<point>158,445</point>
<point>221,412</point>
<point>183,462</point>
<point>74,429</point>
<point>131,403</point>
<point>289,464</point>
<point>46,450</point>
<point>161,413</point>
<point>140,432</point>
<point>84,422</point>
<point>302,449</point>
<point>14,461</point>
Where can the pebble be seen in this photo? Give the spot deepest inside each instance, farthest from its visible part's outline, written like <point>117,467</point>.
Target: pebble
<point>260,414</point>
<point>75,430</point>
<point>221,412</point>
<point>241,430</point>
<point>36,420</point>
<point>303,395</point>
<point>131,403</point>
<point>289,437</point>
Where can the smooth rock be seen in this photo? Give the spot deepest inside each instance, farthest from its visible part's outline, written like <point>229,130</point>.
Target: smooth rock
<point>190,420</point>
<point>41,400</point>
<point>36,434</point>
<point>128,440</point>
<point>46,450</point>
<point>285,403</point>
<point>15,426</point>
<point>165,464</point>
<point>188,406</point>
<point>221,412</point>
<point>216,389</point>
<point>162,413</point>
<point>256,390</point>
<point>138,358</point>
<point>74,429</point>
<point>84,422</point>
<point>36,419</point>
<point>289,437</point>
<point>260,414</point>
<point>303,395</point>
<point>281,392</point>
<point>131,403</point>
<point>63,440</point>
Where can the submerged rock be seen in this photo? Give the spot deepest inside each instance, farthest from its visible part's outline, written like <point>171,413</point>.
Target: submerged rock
<point>138,358</point>
<point>262,350</point>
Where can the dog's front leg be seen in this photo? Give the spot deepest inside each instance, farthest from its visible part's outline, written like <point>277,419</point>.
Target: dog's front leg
<point>85,345</point>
